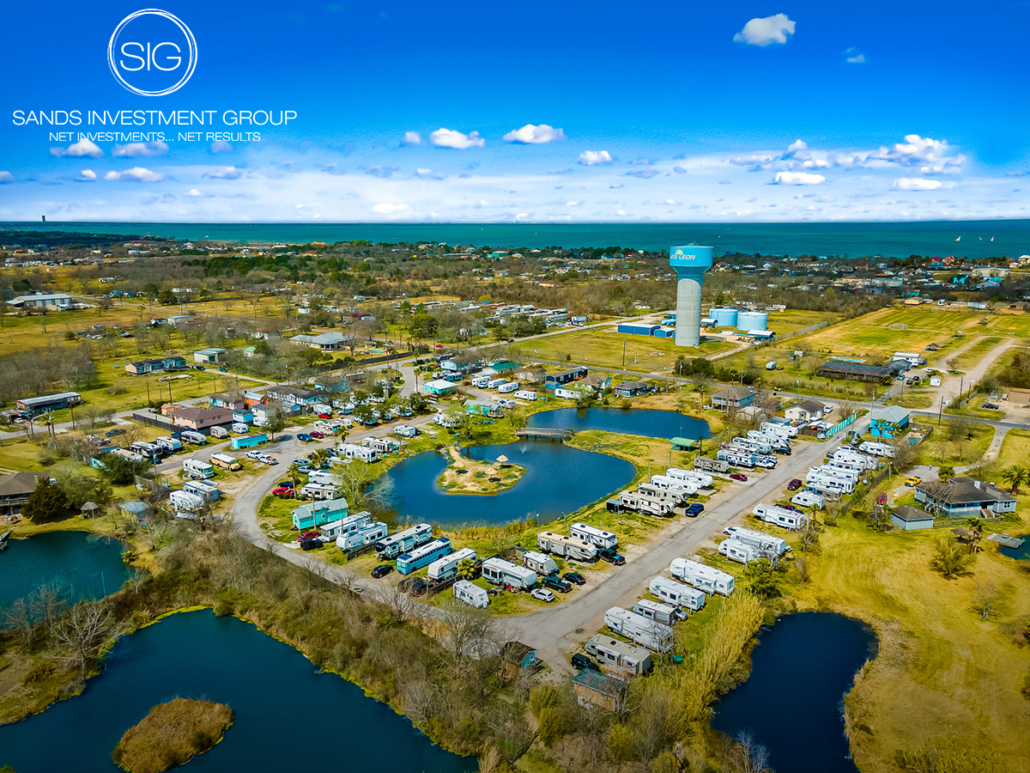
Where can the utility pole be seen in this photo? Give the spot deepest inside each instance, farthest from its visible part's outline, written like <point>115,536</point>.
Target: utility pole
<point>940,411</point>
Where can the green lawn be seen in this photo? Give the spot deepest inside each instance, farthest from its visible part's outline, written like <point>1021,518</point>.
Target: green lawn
<point>604,349</point>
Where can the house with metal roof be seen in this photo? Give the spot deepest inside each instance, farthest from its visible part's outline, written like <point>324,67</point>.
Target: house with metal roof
<point>889,422</point>
<point>41,300</point>
<point>630,389</point>
<point>596,689</point>
<point>855,371</point>
<point>326,342</point>
<point>733,397</point>
<point>209,356</point>
<point>314,514</point>
<point>911,518</point>
<point>964,497</point>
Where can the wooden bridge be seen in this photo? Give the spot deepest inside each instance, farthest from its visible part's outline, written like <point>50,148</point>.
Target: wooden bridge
<point>532,433</point>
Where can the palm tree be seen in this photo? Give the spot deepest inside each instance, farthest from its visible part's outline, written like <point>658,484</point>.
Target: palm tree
<point>976,533</point>
<point>467,569</point>
<point>1016,476</point>
<point>320,458</point>
<point>294,472</point>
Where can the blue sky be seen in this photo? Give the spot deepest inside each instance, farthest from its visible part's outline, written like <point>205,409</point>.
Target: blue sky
<point>667,111</point>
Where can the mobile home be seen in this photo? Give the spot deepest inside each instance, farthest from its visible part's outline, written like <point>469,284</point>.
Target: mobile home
<point>198,470</point>
<point>415,559</point>
<point>705,578</point>
<point>471,594</point>
<point>248,441</point>
<point>600,537</point>
<point>541,563</point>
<point>497,571</point>
<point>677,594</point>
<point>619,655</point>
<point>738,551</point>
<point>569,547</point>
<point>647,633</point>
<point>402,541</point>
<point>207,491</point>
<point>445,568</point>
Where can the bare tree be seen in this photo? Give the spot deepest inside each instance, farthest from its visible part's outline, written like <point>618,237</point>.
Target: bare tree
<point>985,600</point>
<point>747,755</point>
<point>84,632</point>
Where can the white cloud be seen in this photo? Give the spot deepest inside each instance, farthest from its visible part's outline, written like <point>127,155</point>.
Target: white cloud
<point>920,150</point>
<point>796,146</point>
<point>381,171</point>
<point>679,169</point>
<point>136,174</point>
<point>411,139</point>
<point>86,176</point>
<point>221,146</point>
<point>644,174</point>
<point>798,178</point>
<point>424,173</point>
<point>140,149</point>
<point>594,157</point>
<point>571,203</point>
<point>193,192</point>
<point>535,135</point>
<point>762,32</point>
<point>225,173</point>
<point>917,184</point>
<point>6,177</point>
<point>854,56</point>
<point>642,162</point>
<point>386,208</point>
<point>81,148</point>
<point>755,162</point>
<point>449,138</point>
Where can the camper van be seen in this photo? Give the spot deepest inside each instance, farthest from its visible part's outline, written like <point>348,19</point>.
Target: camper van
<point>677,594</point>
<point>666,614</point>
<point>366,535</point>
<point>637,628</point>
<point>702,577</point>
<point>497,571</point>
<point>615,654</point>
<point>568,547</point>
<point>766,543</point>
<point>600,537</point>
<point>197,470</point>
<point>402,541</point>
<point>780,516</point>
<point>809,499</point>
<point>445,568</point>
<point>193,438</point>
<point>226,461</point>
<point>471,594</point>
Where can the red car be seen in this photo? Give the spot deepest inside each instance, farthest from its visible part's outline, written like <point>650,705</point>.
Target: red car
<point>325,416</point>
<point>283,491</point>
<point>737,476</point>
<point>307,535</point>
<point>794,485</point>
<point>317,435</point>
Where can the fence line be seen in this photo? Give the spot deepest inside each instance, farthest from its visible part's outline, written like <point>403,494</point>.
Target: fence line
<point>800,332</point>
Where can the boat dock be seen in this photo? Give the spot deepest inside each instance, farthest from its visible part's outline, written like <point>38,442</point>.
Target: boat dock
<point>532,433</point>
<point>3,540</point>
<point>1007,541</point>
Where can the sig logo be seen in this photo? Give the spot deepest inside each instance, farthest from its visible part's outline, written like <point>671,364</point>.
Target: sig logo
<point>152,53</point>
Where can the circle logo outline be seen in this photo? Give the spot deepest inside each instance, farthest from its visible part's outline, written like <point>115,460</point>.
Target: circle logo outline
<point>190,40</point>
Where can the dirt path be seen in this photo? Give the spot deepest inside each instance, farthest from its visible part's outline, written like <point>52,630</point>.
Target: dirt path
<point>951,386</point>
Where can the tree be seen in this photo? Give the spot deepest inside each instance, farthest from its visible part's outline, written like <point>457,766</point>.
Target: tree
<point>1016,476</point>
<point>120,470</point>
<point>276,421</point>
<point>47,501</point>
<point>976,533</point>
<point>949,557</point>
<point>761,578</point>
<point>80,489</point>
<point>294,472</point>
<point>84,633</point>
<point>985,600</point>
<point>467,569</point>
<point>167,298</point>
<point>746,755</point>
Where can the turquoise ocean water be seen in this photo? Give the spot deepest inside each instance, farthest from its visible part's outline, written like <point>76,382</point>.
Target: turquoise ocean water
<point>960,238</point>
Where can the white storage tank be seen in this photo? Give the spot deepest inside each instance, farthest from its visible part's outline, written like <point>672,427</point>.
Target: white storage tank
<point>725,316</point>
<point>753,320</point>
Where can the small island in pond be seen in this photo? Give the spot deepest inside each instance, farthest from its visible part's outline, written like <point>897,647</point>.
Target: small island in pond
<point>172,734</point>
<point>469,476</point>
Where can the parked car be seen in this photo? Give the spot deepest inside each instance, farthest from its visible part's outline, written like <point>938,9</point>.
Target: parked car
<point>696,507</point>
<point>270,460</point>
<point>325,416</point>
<point>318,435</point>
<point>304,437</point>
<point>575,578</point>
<point>311,544</point>
<point>990,406</point>
<point>557,583</point>
<point>542,594</point>
<point>382,570</point>
<point>606,554</point>
<point>914,480</point>
<point>254,455</point>
<point>113,432</point>
<point>738,476</point>
<point>795,484</point>
<point>282,491</point>
<point>285,484</point>
<point>308,535</point>
<point>581,661</point>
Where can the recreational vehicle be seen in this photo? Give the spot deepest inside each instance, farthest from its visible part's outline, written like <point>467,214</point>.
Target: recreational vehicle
<point>240,428</point>
<point>497,571</point>
<point>738,551</point>
<point>415,559</point>
<point>752,445</point>
<point>193,438</point>
<point>185,501</point>
<point>219,432</point>
<point>697,475</point>
<point>541,563</point>
<point>703,577</point>
<point>497,383</point>
<point>150,451</point>
<point>481,382</point>
<point>226,461</point>
<point>836,472</point>
<point>471,594</point>
<point>765,460</point>
<point>600,537</point>
<point>705,464</point>
<point>647,633</point>
<point>642,503</point>
<point>443,420</point>
<point>366,535</point>
<point>322,476</point>
<point>666,614</point>
<point>677,594</point>
<point>169,443</point>
<point>767,543</point>
<point>736,459</point>
<point>361,453</point>
<point>779,429</point>
<point>402,541</point>
<point>568,547</point>
<point>445,568</point>
<point>319,491</point>
<point>686,486</point>
<point>780,516</point>
<point>809,499</point>
<point>197,470</point>
<point>525,394</point>
<point>876,449</point>
<point>673,497</point>
<point>207,491</point>
<point>508,387</point>
<point>344,526</point>
<point>619,655</point>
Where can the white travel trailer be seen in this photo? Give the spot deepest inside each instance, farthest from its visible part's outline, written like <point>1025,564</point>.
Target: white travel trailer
<point>569,547</point>
<point>525,394</point>
<point>443,420</point>
<point>471,594</point>
<point>361,453</point>
<point>687,486</point>
<point>765,460</point>
<point>703,479</point>
<point>735,458</point>
<point>194,438</point>
<point>169,443</point>
<point>445,568</point>
<point>666,614</point>
<point>403,541</point>
<point>864,461</point>
<point>240,428</point>
<point>322,476</point>
<point>809,499</point>
<point>677,594</point>
<point>497,571</point>
<point>706,578</point>
<point>319,491</point>
<point>600,537</point>
<point>779,429</point>
<point>767,543</point>
<point>709,465</point>
<point>508,387</point>
<point>613,653</point>
<point>876,449</point>
<point>825,484</point>
<point>541,563</point>
<point>497,383</point>
<point>756,446</point>
<point>207,491</point>
<point>643,503</point>
<point>185,501</point>
<point>674,497</point>
<point>835,472</point>
<point>769,437</point>
<point>845,464</point>
<point>366,535</point>
<point>198,470</point>
<point>341,527</point>
<point>780,516</point>
<point>738,551</point>
<point>481,382</point>
<point>647,633</point>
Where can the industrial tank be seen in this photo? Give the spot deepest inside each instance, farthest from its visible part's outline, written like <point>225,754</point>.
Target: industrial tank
<point>725,316</point>
<point>752,320</point>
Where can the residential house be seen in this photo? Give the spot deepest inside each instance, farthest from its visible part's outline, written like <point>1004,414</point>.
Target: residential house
<point>45,403</point>
<point>806,411</point>
<point>599,382</point>
<point>483,408</point>
<point>517,659</point>
<point>326,342</point>
<point>314,514</point>
<point>438,387</point>
<point>15,488</point>
<point>155,365</point>
<point>552,380</point>
<point>263,413</point>
<point>964,498</point>
<point>222,400</point>
<point>733,397</point>
<point>530,374</point>
<point>200,419</point>
<point>889,422</point>
<point>41,300</point>
<point>209,356</point>
<point>294,395</point>
<point>595,689</point>
<point>630,389</point>
<point>911,518</point>
<point>856,371</point>
<point>251,398</point>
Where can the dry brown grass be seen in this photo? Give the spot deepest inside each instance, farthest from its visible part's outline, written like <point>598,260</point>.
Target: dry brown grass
<point>171,734</point>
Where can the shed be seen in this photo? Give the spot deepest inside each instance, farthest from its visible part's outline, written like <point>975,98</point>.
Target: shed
<point>517,659</point>
<point>911,518</point>
<point>594,689</point>
<point>438,387</point>
<point>208,355</point>
<point>889,422</point>
<point>683,444</point>
<point>136,509</point>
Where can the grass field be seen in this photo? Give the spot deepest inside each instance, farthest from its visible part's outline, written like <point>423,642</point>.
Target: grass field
<point>971,356</point>
<point>938,450</point>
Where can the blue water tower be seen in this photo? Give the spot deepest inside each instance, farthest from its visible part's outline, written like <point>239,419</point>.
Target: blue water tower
<point>690,263</point>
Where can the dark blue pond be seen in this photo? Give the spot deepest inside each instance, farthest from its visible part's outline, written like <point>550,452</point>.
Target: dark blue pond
<point>635,421</point>
<point>559,479</point>
<point>792,703</point>
<point>81,564</point>
<point>287,716</point>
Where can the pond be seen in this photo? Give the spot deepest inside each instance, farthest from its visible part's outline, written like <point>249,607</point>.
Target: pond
<point>1022,553</point>
<point>277,696</point>
<point>81,564</point>
<point>792,703</point>
<point>559,479</point>
<point>635,421</point>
